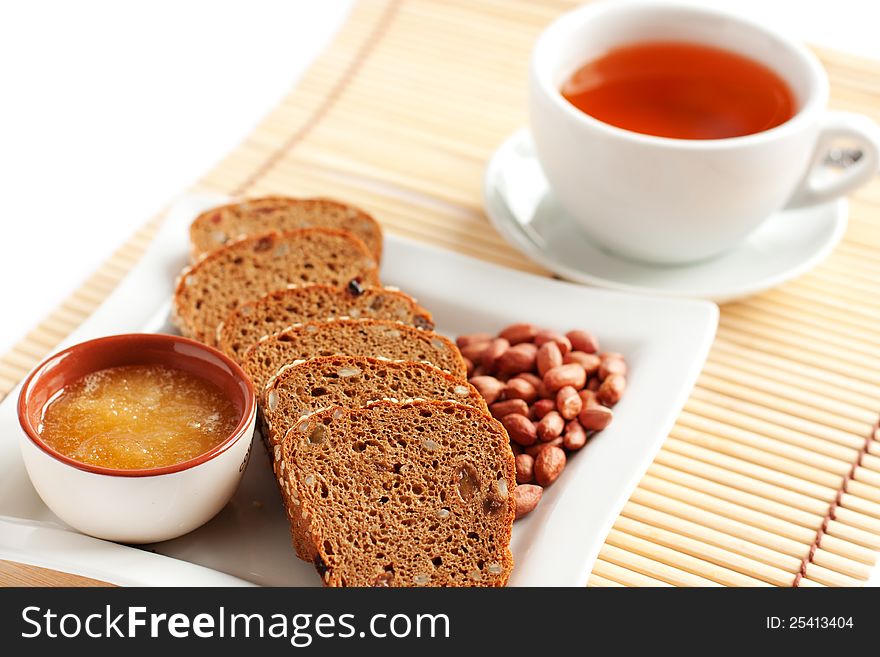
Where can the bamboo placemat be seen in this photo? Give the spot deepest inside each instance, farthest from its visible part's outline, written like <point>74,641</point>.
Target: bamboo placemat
<point>772,474</point>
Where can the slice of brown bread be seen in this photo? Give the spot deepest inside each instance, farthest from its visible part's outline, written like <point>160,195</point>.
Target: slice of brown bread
<point>412,494</point>
<point>221,225</point>
<point>277,310</point>
<point>350,337</point>
<point>252,266</point>
<point>354,381</point>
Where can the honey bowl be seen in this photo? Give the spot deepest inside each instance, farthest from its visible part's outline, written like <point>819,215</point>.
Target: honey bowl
<point>110,493</point>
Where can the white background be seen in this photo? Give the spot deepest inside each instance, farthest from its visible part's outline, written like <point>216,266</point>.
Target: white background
<point>109,109</point>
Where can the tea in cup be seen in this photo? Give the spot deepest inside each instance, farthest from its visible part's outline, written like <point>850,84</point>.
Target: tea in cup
<point>669,132</point>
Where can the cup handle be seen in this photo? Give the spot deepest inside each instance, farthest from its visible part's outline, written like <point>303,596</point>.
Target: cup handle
<point>839,126</point>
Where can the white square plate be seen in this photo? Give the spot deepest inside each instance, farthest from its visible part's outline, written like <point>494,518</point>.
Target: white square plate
<point>665,342</point>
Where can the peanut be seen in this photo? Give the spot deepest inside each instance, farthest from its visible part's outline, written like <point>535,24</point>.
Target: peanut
<point>519,358</point>
<point>525,469</point>
<point>572,375</point>
<point>611,366</point>
<point>595,418</point>
<point>550,426</point>
<point>520,388</point>
<point>489,387</point>
<point>588,398</point>
<point>470,338</point>
<point>493,352</point>
<point>544,336</point>
<point>550,391</point>
<point>568,402</point>
<point>526,497</point>
<point>541,407</point>
<point>549,465</point>
<point>533,450</point>
<point>583,341</point>
<point>575,436</point>
<point>543,393</point>
<point>503,408</point>
<point>520,429</point>
<point>516,333</point>
<point>611,390</point>
<point>474,350</point>
<point>531,378</point>
<point>548,357</point>
<point>590,362</point>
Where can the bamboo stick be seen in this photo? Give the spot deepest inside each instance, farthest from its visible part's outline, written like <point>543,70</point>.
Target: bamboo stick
<point>746,529</point>
<point>830,577</point>
<point>831,302</point>
<point>10,372</point>
<point>835,449</point>
<point>854,535</point>
<point>864,491</point>
<point>708,502</point>
<point>748,500</point>
<point>714,520</point>
<point>842,565</point>
<point>758,472</point>
<point>843,293</point>
<point>706,551</point>
<point>31,349</point>
<point>742,483</point>
<point>845,270</point>
<point>853,518</point>
<point>598,580</point>
<point>818,384</point>
<point>655,569</point>
<point>757,456</point>
<point>855,425</point>
<point>769,417</point>
<point>624,576</point>
<point>870,462</point>
<point>864,285</point>
<point>848,549</point>
<point>839,466</point>
<point>861,505</point>
<point>850,366</point>
<point>706,569</point>
<point>867,476</point>
<point>661,520</point>
<point>797,371</point>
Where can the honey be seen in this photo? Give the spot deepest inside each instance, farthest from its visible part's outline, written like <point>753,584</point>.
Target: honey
<point>137,416</point>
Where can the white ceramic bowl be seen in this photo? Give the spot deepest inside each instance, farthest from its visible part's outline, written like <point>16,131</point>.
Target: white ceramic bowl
<point>136,506</point>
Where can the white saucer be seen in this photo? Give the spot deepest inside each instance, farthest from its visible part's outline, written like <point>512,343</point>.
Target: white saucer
<point>522,207</point>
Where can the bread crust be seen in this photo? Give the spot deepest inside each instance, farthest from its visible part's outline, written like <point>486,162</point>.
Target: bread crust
<point>352,337</point>
<point>254,265</point>
<point>298,303</point>
<point>225,223</point>
<point>287,397</point>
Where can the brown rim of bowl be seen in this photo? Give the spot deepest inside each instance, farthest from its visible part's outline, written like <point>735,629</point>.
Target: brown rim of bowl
<point>248,413</point>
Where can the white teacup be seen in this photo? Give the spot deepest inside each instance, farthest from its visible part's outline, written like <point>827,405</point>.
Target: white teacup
<point>677,200</point>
